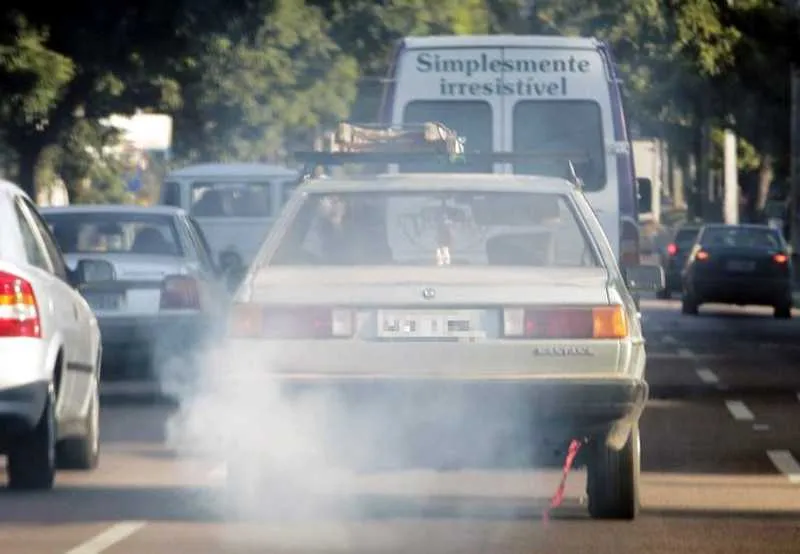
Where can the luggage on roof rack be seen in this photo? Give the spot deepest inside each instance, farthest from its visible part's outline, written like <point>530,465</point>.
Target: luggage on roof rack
<point>429,137</point>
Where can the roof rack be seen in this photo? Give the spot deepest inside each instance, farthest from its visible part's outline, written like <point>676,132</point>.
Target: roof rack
<point>411,143</point>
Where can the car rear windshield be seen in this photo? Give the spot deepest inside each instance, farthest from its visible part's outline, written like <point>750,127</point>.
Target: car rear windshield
<point>741,237</point>
<point>436,228</point>
<point>115,232</point>
<point>230,199</point>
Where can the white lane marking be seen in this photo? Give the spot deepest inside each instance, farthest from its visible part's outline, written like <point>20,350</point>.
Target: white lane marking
<point>707,376</point>
<point>760,427</point>
<point>685,353</point>
<point>786,464</point>
<point>108,538</point>
<point>739,411</point>
<point>668,339</point>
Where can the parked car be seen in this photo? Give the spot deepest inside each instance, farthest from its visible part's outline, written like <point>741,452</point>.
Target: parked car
<point>50,351</point>
<point>165,295</point>
<point>673,258</point>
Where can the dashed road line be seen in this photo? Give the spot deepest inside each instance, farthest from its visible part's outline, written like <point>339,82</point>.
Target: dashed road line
<point>108,538</point>
<point>786,464</point>
<point>668,339</point>
<point>760,427</point>
<point>685,353</point>
<point>739,411</point>
<point>707,376</point>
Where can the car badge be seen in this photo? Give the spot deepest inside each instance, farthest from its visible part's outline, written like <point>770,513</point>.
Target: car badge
<point>428,293</point>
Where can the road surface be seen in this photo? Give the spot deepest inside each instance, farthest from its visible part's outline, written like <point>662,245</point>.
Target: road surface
<point>720,444</point>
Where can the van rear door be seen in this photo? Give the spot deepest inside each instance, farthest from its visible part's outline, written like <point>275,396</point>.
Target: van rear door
<point>566,107</point>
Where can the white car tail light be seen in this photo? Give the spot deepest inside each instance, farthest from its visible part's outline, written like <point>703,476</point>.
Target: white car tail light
<point>180,292</point>
<point>19,312</point>
<point>585,322</point>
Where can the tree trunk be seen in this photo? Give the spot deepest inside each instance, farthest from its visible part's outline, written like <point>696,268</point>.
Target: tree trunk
<point>766,174</point>
<point>27,158</point>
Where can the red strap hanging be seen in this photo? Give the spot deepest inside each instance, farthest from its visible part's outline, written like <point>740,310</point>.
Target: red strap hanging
<point>558,497</point>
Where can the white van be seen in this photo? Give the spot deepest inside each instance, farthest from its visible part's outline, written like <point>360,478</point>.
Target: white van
<point>525,94</point>
<point>234,203</point>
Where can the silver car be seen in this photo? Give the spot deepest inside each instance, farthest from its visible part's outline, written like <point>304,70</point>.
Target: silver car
<point>164,296</point>
<point>470,303</point>
<point>49,351</point>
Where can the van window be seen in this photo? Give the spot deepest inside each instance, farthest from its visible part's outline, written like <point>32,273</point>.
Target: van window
<point>172,194</point>
<point>561,126</point>
<point>231,199</point>
<point>470,119</point>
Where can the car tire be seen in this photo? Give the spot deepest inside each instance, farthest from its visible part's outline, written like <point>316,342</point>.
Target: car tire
<point>83,453</point>
<point>32,458</point>
<point>689,305</point>
<point>783,311</point>
<point>613,479</point>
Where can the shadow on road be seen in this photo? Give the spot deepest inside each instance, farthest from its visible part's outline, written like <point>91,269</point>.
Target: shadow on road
<point>90,505</point>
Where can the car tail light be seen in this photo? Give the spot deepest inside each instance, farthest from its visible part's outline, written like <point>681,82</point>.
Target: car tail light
<point>701,255</point>
<point>19,311</point>
<point>629,244</point>
<point>672,249</point>
<point>591,322</point>
<point>180,292</point>
<point>254,321</point>
<point>780,258</point>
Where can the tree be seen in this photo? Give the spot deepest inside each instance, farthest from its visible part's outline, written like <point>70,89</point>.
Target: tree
<point>87,59</point>
<point>369,31</point>
<point>245,94</point>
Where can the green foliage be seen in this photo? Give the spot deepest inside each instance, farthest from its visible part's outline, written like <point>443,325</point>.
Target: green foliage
<point>244,95</point>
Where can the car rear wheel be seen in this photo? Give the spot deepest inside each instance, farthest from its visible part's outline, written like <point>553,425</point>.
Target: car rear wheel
<point>689,304</point>
<point>32,458</point>
<point>783,311</point>
<point>83,452</point>
<point>613,479</point>
<point>664,294</point>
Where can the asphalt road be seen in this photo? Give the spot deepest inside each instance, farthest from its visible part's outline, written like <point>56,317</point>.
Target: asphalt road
<point>720,444</point>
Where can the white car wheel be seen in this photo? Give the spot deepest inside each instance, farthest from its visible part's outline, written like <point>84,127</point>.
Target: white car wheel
<point>613,479</point>
<point>83,452</point>
<point>31,459</point>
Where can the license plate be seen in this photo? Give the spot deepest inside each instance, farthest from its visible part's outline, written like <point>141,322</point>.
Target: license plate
<point>741,266</point>
<point>430,325</point>
<point>104,301</point>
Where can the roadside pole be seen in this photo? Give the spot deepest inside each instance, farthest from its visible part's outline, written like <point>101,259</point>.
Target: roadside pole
<point>730,212</point>
<point>794,184</point>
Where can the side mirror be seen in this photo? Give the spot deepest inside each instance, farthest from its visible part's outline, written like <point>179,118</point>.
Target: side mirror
<point>644,194</point>
<point>644,278</point>
<point>93,271</point>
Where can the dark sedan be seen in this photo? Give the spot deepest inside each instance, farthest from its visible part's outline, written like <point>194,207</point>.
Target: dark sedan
<point>738,264</point>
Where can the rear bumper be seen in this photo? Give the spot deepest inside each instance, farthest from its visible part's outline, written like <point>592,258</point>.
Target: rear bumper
<point>537,410</point>
<point>742,290</point>
<point>132,345</point>
<point>21,407</point>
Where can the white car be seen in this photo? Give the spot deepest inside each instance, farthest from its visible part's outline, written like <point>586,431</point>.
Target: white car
<point>166,297</point>
<point>49,352</point>
<point>449,300</point>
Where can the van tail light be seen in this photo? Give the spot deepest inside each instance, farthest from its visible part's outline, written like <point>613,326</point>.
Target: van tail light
<point>672,249</point>
<point>590,322</point>
<point>19,311</point>
<point>780,259</point>
<point>629,244</point>
<point>180,292</point>
<point>248,320</point>
<point>701,255</point>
